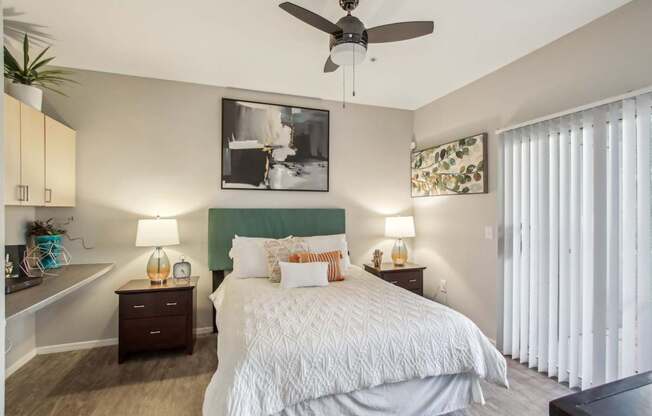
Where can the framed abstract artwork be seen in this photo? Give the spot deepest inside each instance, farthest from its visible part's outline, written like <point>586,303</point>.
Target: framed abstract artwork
<point>274,147</point>
<point>455,168</point>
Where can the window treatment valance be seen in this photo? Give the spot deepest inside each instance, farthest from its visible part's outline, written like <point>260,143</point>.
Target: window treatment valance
<point>576,242</point>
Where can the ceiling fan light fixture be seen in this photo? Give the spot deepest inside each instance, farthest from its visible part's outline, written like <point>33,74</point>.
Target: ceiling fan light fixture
<point>348,54</point>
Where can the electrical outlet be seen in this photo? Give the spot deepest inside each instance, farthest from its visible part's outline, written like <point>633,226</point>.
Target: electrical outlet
<point>443,287</point>
<point>488,232</point>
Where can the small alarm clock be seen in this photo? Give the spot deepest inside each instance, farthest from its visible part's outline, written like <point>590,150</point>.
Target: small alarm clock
<point>181,270</point>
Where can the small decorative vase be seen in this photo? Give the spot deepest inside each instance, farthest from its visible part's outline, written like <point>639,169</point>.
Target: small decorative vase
<point>158,266</point>
<point>27,94</point>
<point>50,249</point>
<point>399,253</point>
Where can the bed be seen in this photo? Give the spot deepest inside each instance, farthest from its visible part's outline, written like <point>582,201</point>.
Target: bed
<point>357,347</point>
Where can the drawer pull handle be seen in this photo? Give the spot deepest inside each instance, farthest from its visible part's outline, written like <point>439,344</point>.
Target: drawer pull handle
<point>413,280</point>
<point>154,332</point>
<point>171,304</point>
<point>394,282</point>
<point>139,306</point>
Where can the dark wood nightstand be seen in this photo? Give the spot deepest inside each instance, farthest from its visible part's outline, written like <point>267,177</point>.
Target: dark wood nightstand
<point>408,277</point>
<point>155,317</point>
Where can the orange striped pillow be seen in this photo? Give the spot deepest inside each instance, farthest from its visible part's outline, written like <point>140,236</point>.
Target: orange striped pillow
<point>331,257</point>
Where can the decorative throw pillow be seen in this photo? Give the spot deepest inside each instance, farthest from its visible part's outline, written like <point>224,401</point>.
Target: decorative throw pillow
<point>333,259</point>
<point>303,274</point>
<point>325,243</point>
<point>280,250</point>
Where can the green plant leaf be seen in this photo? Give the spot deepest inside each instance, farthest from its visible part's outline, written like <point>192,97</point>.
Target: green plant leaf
<point>38,58</point>
<point>25,52</point>
<point>10,62</point>
<point>36,65</point>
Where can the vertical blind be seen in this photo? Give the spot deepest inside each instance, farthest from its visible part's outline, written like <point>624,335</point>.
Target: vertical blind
<point>576,243</point>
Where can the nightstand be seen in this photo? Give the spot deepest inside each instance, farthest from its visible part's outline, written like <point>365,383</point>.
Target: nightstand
<point>155,317</point>
<point>408,277</point>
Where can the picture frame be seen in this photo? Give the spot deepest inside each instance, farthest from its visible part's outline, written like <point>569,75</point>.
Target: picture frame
<point>274,147</point>
<point>458,167</point>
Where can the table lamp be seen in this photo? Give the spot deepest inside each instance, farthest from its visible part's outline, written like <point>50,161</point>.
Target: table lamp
<point>399,228</point>
<point>157,233</point>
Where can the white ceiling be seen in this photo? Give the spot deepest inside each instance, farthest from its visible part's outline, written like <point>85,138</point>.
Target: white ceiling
<point>253,44</point>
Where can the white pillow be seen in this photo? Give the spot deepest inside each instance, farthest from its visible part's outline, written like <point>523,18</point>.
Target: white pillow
<point>326,243</point>
<point>249,257</point>
<point>303,274</point>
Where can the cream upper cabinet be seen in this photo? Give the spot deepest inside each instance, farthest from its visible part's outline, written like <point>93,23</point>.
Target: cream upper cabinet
<point>39,158</point>
<point>59,164</point>
<point>32,155</point>
<point>13,190</point>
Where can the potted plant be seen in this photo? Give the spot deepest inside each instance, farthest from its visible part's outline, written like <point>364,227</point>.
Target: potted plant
<point>47,237</point>
<point>25,79</point>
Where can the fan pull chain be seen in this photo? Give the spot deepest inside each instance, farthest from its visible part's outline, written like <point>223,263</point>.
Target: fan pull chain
<point>353,53</point>
<point>343,87</point>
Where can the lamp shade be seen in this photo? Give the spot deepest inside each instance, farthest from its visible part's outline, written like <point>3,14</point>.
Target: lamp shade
<point>157,233</point>
<point>399,227</point>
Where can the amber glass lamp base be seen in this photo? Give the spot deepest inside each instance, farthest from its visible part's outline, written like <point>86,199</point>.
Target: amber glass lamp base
<point>399,253</point>
<point>158,266</point>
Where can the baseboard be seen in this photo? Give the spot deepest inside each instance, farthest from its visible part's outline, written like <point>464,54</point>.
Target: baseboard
<point>21,362</point>
<point>85,345</point>
<point>74,346</point>
<point>204,331</point>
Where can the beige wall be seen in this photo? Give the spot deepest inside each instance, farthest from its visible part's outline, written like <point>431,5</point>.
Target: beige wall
<point>147,147</point>
<point>610,56</point>
<point>17,219</point>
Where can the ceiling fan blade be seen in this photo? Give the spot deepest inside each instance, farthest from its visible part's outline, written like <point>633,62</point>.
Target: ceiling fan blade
<point>399,31</point>
<point>330,65</point>
<point>310,18</point>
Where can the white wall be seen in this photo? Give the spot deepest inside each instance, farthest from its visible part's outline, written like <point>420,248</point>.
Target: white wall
<point>610,56</point>
<point>148,147</point>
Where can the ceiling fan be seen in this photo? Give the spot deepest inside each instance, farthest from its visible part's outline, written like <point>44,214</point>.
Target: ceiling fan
<point>350,37</point>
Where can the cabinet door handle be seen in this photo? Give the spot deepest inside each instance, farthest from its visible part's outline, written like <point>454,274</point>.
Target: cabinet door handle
<point>21,197</point>
<point>154,332</point>
<point>171,304</point>
<point>413,280</point>
<point>139,306</point>
<point>48,195</point>
<point>27,187</point>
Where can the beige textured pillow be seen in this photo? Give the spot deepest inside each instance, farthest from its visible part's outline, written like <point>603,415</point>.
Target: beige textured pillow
<point>280,250</point>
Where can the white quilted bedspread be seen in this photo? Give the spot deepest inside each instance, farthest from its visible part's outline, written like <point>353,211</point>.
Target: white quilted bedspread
<point>278,347</point>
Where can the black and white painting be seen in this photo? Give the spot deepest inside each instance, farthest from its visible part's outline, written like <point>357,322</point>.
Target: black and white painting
<point>274,147</point>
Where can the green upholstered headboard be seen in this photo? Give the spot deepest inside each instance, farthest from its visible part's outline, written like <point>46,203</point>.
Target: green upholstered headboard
<point>225,223</point>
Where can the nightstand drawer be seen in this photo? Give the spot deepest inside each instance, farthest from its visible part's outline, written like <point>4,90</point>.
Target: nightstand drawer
<point>144,305</point>
<point>406,280</point>
<point>148,333</point>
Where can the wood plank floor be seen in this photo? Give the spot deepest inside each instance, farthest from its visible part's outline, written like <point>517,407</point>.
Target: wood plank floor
<point>91,383</point>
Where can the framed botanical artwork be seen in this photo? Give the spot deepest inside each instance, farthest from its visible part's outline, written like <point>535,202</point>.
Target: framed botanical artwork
<point>274,147</point>
<point>455,168</point>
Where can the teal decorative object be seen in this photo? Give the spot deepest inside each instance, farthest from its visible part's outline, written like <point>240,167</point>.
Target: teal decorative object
<point>49,244</point>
